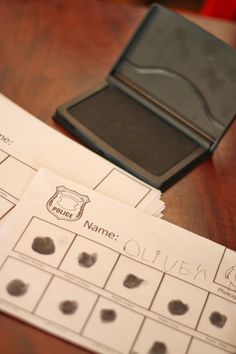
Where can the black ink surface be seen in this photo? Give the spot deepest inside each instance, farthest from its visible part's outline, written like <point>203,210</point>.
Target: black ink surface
<point>177,307</point>
<point>119,121</point>
<point>68,307</point>
<point>87,260</point>
<point>43,245</point>
<point>217,319</point>
<point>17,287</point>
<point>132,282</point>
<point>108,315</point>
<point>158,348</point>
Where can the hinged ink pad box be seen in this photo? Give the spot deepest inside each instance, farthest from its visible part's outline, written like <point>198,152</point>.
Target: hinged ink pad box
<point>166,103</point>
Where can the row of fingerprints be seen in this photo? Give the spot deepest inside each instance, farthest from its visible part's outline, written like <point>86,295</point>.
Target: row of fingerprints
<point>50,243</point>
<point>72,306</point>
<point>102,320</point>
<point>142,285</point>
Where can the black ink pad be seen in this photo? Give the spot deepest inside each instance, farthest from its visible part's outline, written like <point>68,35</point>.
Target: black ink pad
<point>132,281</point>
<point>177,307</point>
<point>108,315</point>
<point>43,245</point>
<point>158,348</point>
<point>87,260</point>
<point>68,307</point>
<point>217,319</point>
<point>17,287</point>
<point>166,103</point>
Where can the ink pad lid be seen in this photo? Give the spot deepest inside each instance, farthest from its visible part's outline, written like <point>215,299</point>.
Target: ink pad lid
<point>174,64</point>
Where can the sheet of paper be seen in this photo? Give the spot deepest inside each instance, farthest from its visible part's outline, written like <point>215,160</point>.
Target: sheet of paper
<point>113,279</point>
<point>26,144</point>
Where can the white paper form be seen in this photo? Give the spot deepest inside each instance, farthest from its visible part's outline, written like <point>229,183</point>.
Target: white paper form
<point>110,278</point>
<point>26,144</point>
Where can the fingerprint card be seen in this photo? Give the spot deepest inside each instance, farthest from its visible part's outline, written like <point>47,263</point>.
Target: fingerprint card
<point>108,277</point>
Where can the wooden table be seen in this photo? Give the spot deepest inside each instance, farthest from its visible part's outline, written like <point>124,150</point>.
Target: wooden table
<point>54,50</point>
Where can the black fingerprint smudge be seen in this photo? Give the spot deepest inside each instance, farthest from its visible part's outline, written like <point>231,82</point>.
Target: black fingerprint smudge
<point>87,260</point>
<point>177,307</point>
<point>68,307</point>
<point>158,348</point>
<point>17,287</point>
<point>132,282</point>
<point>43,245</point>
<point>108,315</point>
<point>217,319</point>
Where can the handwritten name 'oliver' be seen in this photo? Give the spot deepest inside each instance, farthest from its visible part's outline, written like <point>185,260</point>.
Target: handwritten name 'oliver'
<point>163,261</point>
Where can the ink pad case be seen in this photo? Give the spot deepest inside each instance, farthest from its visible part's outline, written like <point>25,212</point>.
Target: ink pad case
<point>166,103</point>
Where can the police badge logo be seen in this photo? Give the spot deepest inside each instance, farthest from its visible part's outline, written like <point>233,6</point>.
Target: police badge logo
<point>67,204</point>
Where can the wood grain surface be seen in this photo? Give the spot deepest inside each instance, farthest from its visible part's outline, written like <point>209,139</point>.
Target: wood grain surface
<point>51,51</point>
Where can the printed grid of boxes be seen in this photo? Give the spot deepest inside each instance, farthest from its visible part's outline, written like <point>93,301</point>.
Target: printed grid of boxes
<point>12,189</point>
<point>99,318</point>
<point>134,191</point>
<point>10,186</point>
